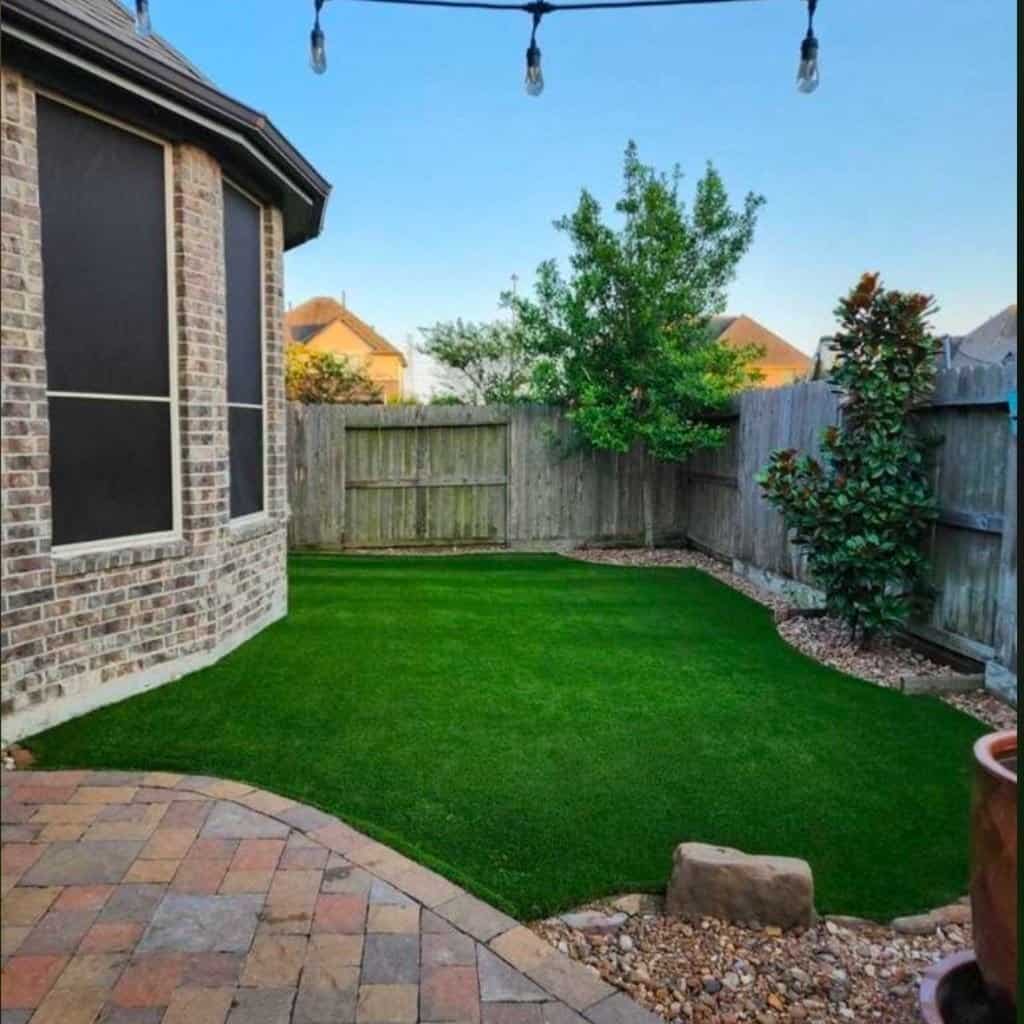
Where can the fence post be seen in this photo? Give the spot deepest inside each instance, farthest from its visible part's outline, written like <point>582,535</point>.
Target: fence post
<point>1001,671</point>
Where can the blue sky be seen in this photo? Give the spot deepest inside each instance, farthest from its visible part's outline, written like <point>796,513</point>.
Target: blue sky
<point>447,176</point>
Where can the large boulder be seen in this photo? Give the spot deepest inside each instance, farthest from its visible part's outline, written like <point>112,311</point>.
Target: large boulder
<point>716,881</point>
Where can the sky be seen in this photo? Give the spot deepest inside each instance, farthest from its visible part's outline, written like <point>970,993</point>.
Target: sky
<point>447,177</point>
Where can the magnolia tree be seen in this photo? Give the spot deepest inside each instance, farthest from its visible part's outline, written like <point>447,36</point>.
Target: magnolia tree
<point>864,511</point>
<point>320,378</point>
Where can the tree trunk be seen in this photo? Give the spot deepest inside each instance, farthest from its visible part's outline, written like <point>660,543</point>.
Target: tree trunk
<point>648,502</point>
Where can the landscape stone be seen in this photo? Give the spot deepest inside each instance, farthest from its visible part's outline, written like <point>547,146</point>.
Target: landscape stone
<point>595,922</point>
<point>717,881</point>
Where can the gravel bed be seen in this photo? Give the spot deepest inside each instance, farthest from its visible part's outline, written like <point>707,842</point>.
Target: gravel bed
<point>716,972</point>
<point>823,638</point>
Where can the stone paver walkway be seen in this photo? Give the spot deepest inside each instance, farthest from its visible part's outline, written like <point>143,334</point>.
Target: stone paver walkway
<point>134,898</point>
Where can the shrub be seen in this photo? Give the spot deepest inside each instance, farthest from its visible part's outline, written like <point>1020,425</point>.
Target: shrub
<point>318,378</point>
<point>864,511</point>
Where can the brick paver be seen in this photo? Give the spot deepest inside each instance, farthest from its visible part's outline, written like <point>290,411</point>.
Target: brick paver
<point>157,898</point>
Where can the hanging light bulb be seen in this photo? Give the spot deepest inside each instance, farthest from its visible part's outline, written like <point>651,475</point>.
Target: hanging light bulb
<point>317,43</point>
<point>807,78</point>
<point>534,76</point>
<point>143,26</point>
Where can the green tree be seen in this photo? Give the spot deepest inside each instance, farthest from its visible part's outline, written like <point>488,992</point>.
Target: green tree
<point>319,378</point>
<point>486,362</point>
<point>622,342</point>
<point>864,511</point>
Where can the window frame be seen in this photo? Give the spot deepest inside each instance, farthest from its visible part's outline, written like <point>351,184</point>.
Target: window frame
<point>175,533</point>
<point>263,515</point>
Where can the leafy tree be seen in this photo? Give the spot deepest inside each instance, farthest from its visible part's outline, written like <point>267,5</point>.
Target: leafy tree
<point>622,343</point>
<point>864,511</point>
<point>487,361</point>
<point>318,378</point>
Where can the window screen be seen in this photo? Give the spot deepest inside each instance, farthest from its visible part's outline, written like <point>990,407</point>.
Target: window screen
<point>105,295</point>
<point>110,468</point>
<point>242,260</point>
<point>104,255</point>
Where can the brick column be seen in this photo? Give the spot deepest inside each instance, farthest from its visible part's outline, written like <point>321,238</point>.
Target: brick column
<point>202,370</point>
<point>26,563</point>
<point>273,339</point>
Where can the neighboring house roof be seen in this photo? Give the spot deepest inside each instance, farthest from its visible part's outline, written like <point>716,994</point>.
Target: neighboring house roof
<point>87,50</point>
<point>992,343</point>
<point>745,330</point>
<point>305,321</point>
<point>113,17</point>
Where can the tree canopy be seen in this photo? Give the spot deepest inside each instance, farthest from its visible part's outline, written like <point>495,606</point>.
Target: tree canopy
<point>622,342</point>
<point>485,362</point>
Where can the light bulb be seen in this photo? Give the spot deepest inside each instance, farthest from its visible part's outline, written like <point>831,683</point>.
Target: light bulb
<point>143,26</point>
<point>317,50</point>
<point>534,76</point>
<point>807,78</point>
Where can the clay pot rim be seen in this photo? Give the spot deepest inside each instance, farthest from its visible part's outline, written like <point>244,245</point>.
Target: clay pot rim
<point>990,747</point>
<point>928,993</point>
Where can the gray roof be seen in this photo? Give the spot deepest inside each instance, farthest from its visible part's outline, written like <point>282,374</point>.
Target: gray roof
<point>304,332</point>
<point>117,21</point>
<point>992,343</point>
<point>717,325</point>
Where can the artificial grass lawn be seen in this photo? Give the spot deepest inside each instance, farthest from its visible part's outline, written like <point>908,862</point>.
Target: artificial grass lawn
<point>545,731</point>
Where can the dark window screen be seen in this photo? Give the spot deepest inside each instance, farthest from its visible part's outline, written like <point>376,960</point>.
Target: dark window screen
<point>104,255</point>
<point>110,468</point>
<point>242,264</point>
<point>245,434</point>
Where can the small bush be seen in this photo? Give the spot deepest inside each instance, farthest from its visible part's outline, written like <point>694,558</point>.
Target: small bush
<point>318,378</point>
<point>864,511</point>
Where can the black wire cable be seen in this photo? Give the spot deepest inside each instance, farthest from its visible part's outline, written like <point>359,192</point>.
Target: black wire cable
<point>542,7</point>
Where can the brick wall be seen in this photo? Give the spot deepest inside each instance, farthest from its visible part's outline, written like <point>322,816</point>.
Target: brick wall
<point>82,631</point>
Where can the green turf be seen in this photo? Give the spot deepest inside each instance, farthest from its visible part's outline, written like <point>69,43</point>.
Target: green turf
<point>545,731</point>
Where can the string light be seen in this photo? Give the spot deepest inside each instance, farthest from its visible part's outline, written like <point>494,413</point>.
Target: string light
<point>807,78</point>
<point>317,43</point>
<point>534,75</point>
<point>143,26</point>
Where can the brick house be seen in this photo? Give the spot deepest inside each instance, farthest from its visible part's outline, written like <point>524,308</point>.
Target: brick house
<point>145,215</point>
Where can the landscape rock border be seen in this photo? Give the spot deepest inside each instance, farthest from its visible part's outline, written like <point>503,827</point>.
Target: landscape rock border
<point>710,972</point>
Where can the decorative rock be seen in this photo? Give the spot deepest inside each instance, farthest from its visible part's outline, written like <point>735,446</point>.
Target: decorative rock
<point>716,881</point>
<point>595,921</point>
<point>639,903</point>
<point>625,943</point>
<point>925,924</point>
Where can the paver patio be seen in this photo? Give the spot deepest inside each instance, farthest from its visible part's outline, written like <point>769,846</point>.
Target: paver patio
<point>166,899</point>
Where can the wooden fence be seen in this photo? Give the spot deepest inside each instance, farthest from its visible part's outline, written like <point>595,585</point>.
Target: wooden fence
<point>380,476</point>
<point>973,547</point>
<point>372,476</point>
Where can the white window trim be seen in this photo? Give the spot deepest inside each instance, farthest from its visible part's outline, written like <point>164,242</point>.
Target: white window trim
<point>108,544</point>
<point>263,515</point>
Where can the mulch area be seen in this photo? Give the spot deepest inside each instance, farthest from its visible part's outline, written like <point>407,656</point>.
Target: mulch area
<point>824,639</point>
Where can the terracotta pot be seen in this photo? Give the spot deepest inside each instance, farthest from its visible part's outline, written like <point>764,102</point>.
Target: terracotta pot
<point>994,864</point>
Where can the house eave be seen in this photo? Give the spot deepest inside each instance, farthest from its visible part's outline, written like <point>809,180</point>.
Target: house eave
<point>70,52</point>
